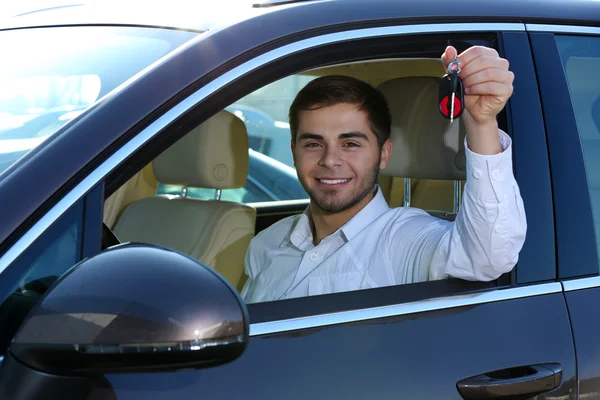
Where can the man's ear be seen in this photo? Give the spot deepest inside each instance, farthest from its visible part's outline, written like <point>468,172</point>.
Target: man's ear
<point>386,153</point>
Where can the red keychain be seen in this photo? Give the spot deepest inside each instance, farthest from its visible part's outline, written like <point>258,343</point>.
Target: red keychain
<point>451,98</point>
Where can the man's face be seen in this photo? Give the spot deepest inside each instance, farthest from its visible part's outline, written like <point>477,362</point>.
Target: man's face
<point>337,156</point>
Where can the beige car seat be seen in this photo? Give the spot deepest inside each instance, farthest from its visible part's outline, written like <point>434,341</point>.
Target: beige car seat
<point>213,155</point>
<point>428,159</point>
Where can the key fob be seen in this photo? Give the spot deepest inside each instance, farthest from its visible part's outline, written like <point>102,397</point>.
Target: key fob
<point>451,83</point>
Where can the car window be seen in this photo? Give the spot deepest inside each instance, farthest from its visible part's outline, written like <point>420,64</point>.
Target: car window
<point>64,71</point>
<point>190,226</point>
<point>581,61</point>
<point>265,113</point>
<point>272,175</point>
<point>28,278</point>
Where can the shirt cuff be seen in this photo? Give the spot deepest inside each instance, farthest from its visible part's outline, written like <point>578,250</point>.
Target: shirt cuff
<point>489,176</point>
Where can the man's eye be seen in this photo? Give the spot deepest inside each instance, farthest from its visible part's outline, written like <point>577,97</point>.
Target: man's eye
<point>351,144</point>
<point>313,144</point>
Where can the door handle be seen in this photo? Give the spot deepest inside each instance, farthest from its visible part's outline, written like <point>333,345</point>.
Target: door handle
<point>512,383</point>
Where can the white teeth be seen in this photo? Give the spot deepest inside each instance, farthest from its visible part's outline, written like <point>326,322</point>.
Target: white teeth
<point>333,181</point>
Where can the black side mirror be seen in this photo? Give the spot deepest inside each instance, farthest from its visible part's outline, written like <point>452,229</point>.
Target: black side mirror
<point>131,308</point>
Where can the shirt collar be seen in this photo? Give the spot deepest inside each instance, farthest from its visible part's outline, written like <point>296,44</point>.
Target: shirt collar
<point>300,231</point>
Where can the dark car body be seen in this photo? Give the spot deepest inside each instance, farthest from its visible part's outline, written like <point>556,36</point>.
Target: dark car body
<point>413,342</point>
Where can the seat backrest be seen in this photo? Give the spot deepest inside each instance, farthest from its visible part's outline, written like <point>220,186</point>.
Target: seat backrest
<point>426,147</point>
<point>213,155</point>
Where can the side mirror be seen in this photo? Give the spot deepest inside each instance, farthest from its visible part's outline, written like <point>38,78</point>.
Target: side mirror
<point>133,307</point>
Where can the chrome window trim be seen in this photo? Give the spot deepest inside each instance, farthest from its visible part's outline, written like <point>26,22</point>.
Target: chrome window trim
<point>345,317</point>
<point>171,115</point>
<point>562,29</point>
<point>581,283</point>
<point>297,202</point>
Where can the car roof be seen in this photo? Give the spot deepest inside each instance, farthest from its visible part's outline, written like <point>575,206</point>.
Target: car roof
<point>206,15</point>
<point>174,14</point>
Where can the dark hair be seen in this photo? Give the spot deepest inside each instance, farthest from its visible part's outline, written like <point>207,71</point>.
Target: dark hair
<point>335,89</point>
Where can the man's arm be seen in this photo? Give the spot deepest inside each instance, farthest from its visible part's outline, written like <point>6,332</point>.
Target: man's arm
<point>489,231</point>
<point>490,227</point>
<point>481,244</point>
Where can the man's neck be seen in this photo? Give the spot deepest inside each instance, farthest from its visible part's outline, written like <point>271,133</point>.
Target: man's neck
<point>324,224</point>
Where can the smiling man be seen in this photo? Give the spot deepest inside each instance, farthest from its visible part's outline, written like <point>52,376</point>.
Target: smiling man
<point>349,238</point>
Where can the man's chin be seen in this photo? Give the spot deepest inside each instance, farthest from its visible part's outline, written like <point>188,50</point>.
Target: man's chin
<point>333,205</point>
<point>336,202</point>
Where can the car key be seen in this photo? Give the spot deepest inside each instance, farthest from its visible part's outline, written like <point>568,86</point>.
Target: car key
<point>451,94</point>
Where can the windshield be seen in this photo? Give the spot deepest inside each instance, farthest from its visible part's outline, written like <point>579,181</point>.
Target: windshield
<point>49,76</point>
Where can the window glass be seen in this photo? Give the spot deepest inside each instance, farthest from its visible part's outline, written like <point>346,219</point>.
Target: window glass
<point>62,72</point>
<point>271,174</point>
<point>265,113</point>
<point>28,278</point>
<point>581,62</point>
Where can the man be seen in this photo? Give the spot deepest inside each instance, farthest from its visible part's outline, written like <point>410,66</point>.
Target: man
<point>348,238</point>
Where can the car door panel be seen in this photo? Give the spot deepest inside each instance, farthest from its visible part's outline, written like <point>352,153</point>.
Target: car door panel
<point>586,324</point>
<point>412,356</point>
<point>530,161</point>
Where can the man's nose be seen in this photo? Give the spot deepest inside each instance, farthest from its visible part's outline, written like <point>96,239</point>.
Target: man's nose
<point>331,157</point>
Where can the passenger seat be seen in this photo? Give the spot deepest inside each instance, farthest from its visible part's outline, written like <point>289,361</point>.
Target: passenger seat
<point>213,155</point>
<point>427,148</point>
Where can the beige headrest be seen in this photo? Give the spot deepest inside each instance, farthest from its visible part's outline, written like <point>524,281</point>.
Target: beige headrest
<point>425,144</point>
<point>213,155</point>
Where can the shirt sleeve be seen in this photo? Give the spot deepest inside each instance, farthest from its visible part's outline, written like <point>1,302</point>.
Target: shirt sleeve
<point>489,231</point>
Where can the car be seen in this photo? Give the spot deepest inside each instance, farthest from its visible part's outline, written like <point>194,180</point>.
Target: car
<point>109,289</point>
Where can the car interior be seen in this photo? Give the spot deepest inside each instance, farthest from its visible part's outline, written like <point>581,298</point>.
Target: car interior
<point>427,170</point>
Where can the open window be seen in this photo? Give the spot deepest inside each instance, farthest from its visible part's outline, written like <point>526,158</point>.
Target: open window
<point>170,191</point>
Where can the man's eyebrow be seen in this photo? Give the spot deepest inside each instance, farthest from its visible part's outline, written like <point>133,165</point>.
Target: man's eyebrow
<point>350,135</point>
<point>313,136</point>
<point>347,135</point>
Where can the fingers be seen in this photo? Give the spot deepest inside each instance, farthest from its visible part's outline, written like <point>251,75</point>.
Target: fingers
<point>484,72</point>
<point>449,54</point>
<point>490,74</point>
<point>473,53</point>
<point>501,91</point>
<point>466,57</point>
<point>481,63</point>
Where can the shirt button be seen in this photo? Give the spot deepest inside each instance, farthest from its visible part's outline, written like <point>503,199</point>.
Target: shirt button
<point>495,175</point>
<point>476,174</point>
<point>313,257</point>
<point>498,229</point>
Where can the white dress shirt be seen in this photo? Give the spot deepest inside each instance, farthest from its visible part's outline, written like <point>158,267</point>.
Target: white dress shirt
<point>382,246</point>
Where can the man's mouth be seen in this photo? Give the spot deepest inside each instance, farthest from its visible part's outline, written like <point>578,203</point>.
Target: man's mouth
<point>333,181</point>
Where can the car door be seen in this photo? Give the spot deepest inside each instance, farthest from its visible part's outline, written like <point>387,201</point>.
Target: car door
<point>425,340</point>
<point>567,59</point>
